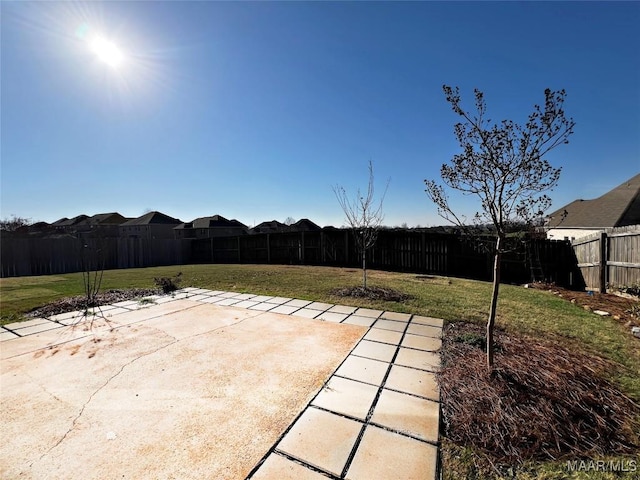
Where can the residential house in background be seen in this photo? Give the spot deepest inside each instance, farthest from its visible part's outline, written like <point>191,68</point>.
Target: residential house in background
<point>207,227</point>
<point>150,225</point>
<point>304,225</point>
<point>273,226</point>
<point>68,225</point>
<point>619,207</point>
<point>100,225</point>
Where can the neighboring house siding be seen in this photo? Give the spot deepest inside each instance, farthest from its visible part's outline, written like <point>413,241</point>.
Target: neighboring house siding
<point>570,233</point>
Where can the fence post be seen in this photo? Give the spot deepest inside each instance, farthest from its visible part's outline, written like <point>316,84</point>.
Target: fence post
<point>603,262</point>
<point>302,248</point>
<point>239,255</point>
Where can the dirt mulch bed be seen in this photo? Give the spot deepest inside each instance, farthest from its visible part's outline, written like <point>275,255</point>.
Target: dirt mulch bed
<point>71,304</point>
<point>372,293</point>
<point>620,308</point>
<point>542,401</point>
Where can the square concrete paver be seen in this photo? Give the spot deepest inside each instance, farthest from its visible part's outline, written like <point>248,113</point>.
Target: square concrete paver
<point>264,307</point>
<point>297,303</point>
<point>419,342</point>
<point>408,414</point>
<point>398,317</point>
<point>332,317</point>
<point>348,397</point>
<point>7,335</point>
<point>261,298</point>
<point>285,309</point>
<point>358,320</point>
<point>27,323</point>
<point>385,336</point>
<point>320,306</point>
<point>321,439</point>
<point>245,304</point>
<point>386,455</point>
<point>278,467</point>
<point>279,300</point>
<point>434,322</point>
<point>343,309</point>
<point>418,359</point>
<point>363,369</point>
<point>390,325</point>
<point>368,312</point>
<point>375,350</point>
<point>307,313</point>
<point>33,329</point>
<point>227,302</point>
<point>425,330</point>
<point>244,296</point>
<point>416,382</point>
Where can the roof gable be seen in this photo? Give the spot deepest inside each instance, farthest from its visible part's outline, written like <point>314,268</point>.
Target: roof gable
<point>618,207</point>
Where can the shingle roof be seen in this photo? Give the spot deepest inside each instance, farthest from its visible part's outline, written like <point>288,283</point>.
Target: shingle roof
<point>214,221</point>
<point>616,208</point>
<point>113,218</point>
<point>152,218</point>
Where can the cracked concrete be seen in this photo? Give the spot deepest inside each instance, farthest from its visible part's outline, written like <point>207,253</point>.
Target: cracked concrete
<point>177,390</point>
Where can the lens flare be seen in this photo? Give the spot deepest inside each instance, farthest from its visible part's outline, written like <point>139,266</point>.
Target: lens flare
<point>107,51</point>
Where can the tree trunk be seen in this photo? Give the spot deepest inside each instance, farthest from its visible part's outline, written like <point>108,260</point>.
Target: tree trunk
<point>364,268</point>
<point>494,301</point>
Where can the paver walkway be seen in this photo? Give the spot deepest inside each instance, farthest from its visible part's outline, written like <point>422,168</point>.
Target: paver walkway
<point>376,417</point>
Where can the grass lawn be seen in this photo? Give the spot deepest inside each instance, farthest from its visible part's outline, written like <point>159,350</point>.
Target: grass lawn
<point>524,311</point>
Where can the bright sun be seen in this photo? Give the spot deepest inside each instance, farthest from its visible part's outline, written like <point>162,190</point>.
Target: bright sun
<point>107,51</point>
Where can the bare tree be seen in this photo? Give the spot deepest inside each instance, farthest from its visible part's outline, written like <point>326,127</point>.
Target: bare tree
<point>14,223</point>
<point>289,221</point>
<point>364,216</point>
<point>503,165</point>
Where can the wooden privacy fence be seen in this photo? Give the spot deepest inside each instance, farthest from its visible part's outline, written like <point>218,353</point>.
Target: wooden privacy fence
<point>403,251</point>
<point>609,259</point>
<point>395,250</point>
<point>44,256</point>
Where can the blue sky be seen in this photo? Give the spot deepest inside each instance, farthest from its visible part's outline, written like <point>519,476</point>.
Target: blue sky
<point>255,110</point>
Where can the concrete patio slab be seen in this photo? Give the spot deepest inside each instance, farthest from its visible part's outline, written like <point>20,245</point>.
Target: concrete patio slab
<point>321,439</point>
<point>297,303</point>
<point>342,309</point>
<point>390,325</point>
<point>174,395</point>
<point>285,309</point>
<point>415,382</point>
<point>387,455</point>
<point>320,306</point>
<point>434,322</point>
<point>418,359</point>
<point>281,468</point>
<point>375,350</point>
<point>7,335</point>
<point>398,317</point>
<point>363,370</point>
<point>27,323</point>
<point>368,312</point>
<point>425,330</point>
<point>347,397</point>
<point>357,320</point>
<point>385,336</point>
<point>408,414</point>
<point>332,317</point>
<point>428,344</point>
<point>308,313</point>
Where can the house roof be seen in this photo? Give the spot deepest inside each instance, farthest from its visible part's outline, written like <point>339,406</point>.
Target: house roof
<point>152,218</point>
<point>616,208</point>
<point>68,222</point>
<point>113,218</point>
<point>215,221</point>
<point>304,224</point>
